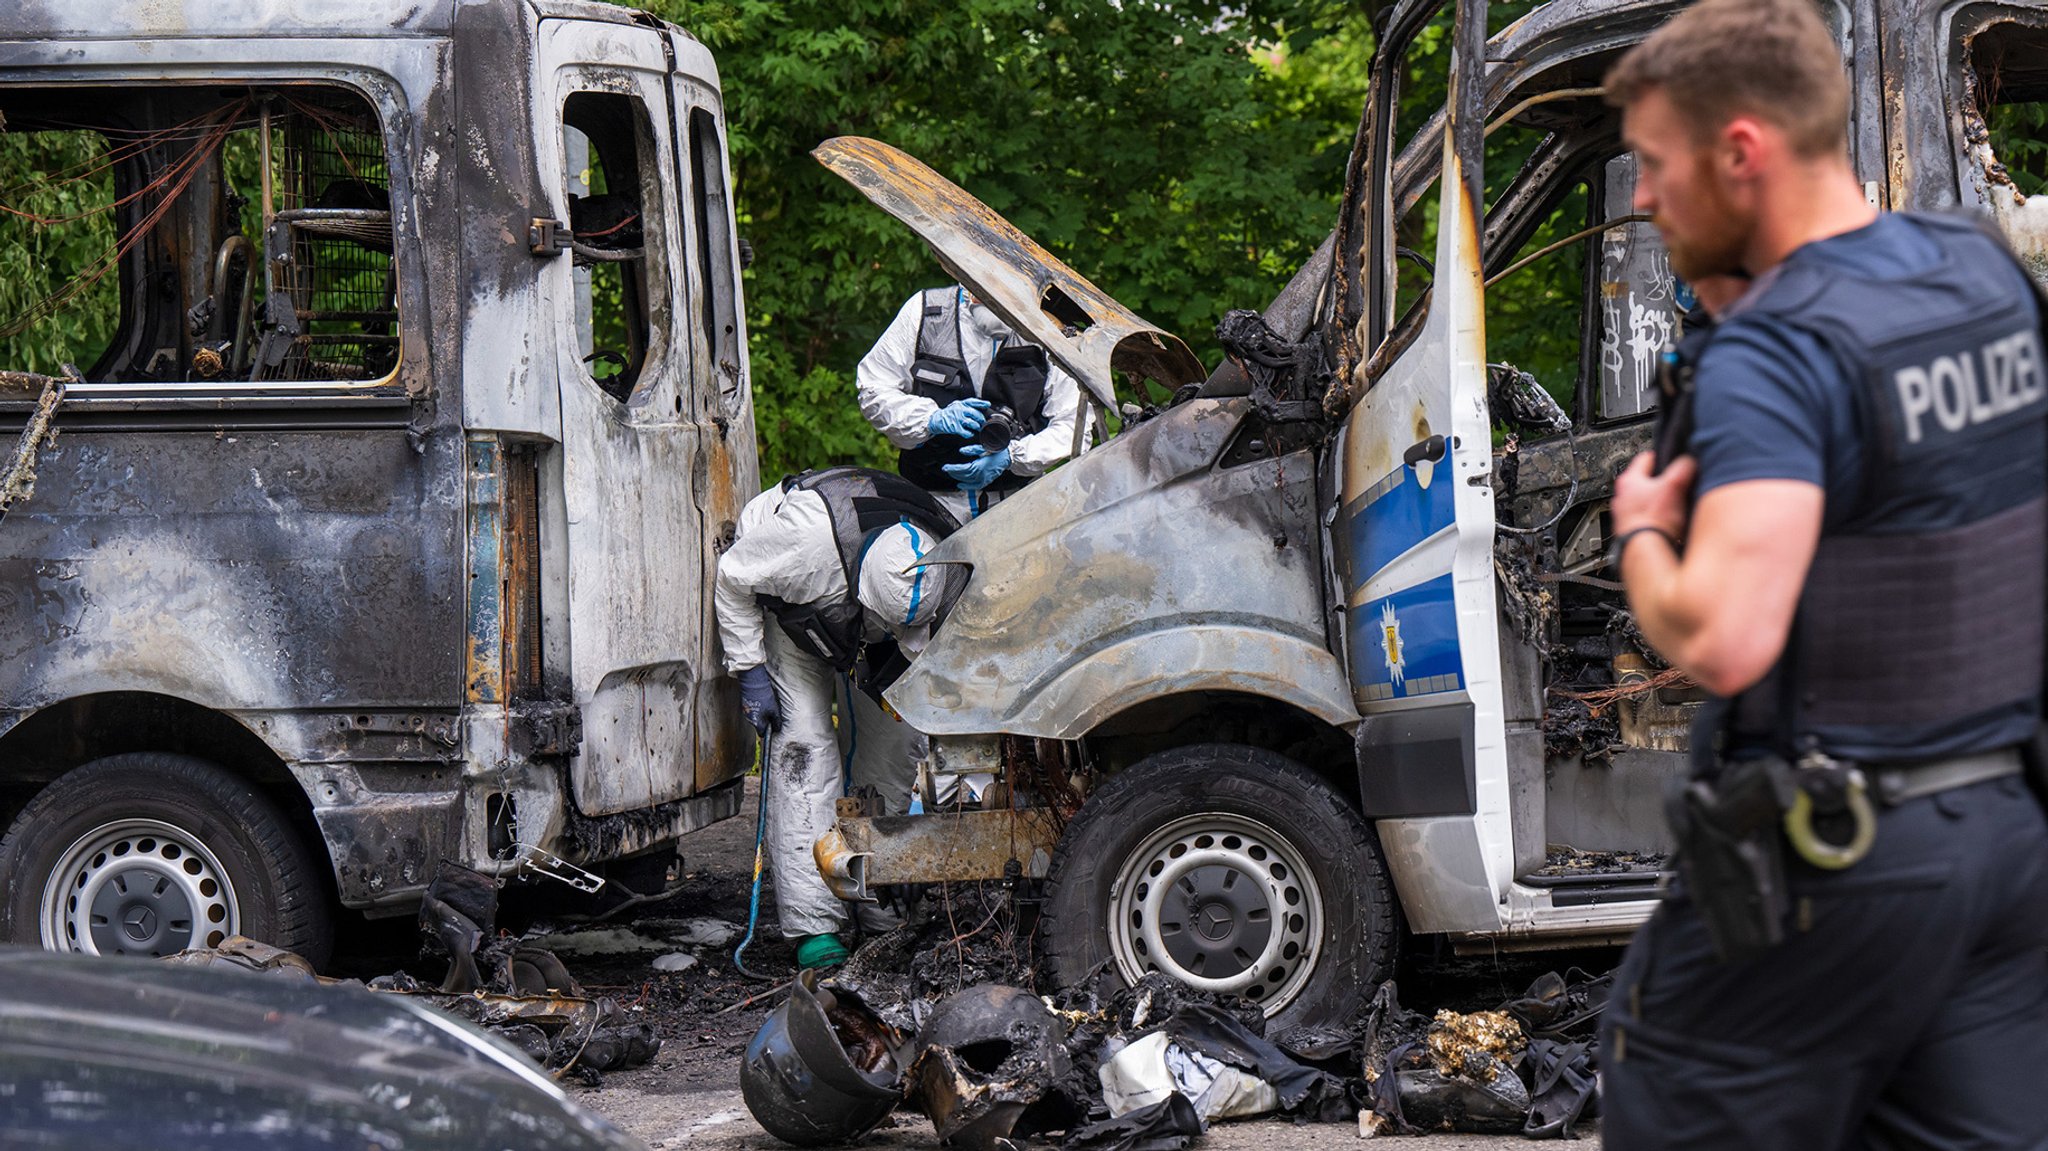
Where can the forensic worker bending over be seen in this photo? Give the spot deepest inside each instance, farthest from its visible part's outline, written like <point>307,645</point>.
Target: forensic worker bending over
<point>829,556</point>
<point>1851,558</point>
<point>974,409</point>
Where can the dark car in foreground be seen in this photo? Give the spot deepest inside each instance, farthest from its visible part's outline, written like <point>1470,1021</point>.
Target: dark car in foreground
<point>114,1054</point>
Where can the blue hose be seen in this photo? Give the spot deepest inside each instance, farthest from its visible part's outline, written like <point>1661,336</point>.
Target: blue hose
<point>760,838</point>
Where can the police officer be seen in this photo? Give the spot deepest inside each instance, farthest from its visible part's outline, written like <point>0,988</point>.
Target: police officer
<point>1852,559</point>
<point>974,410</point>
<point>831,557</point>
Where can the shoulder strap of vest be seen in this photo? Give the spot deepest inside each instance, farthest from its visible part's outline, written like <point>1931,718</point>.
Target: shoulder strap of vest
<point>938,331</point>
<point>1786,290</point>
<point>1958,222</point>
<point>1982,225</point>
<point>1780,290</point>
<point>861,501</point>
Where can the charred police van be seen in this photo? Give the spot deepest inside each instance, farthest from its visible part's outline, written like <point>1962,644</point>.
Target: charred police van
<point>1323,649</point>
<point>384,401</point>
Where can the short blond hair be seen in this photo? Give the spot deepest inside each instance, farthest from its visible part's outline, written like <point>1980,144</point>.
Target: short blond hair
<point>1719,59</point>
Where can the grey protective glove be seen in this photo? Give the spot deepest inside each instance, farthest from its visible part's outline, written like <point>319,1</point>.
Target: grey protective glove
<point>757,697</point>
<point>959,418</point>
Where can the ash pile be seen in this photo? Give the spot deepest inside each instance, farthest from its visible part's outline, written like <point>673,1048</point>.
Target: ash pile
<point>946,1026</point>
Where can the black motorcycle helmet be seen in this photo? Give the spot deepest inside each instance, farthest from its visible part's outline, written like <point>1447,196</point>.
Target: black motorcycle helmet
<point>823,1069</point>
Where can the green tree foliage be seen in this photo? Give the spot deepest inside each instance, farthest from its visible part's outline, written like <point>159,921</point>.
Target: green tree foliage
<point>59,177</point>
<point>1187,157</point>
<point>2019,138</point>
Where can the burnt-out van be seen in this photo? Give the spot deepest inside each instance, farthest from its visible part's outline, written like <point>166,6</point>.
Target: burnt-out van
<point>400,401</point>
<point>1322,651</point>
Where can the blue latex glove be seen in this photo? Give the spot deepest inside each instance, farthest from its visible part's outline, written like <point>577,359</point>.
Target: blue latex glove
<point>983,469</point>
<point>959,418</point>
<point>757,698</point>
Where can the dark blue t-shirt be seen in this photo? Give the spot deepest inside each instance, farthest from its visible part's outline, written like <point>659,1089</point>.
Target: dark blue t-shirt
<point>1772,404</point>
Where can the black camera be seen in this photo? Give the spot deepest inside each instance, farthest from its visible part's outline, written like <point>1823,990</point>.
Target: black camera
<point>999,430</point>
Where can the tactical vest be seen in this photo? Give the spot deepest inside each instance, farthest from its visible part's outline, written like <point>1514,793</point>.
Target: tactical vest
<point>860,502</point>
<point>1015,380</point>
<point>1919,633</point>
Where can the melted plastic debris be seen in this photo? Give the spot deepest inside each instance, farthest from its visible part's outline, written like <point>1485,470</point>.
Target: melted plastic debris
<point>1474,1043</point>
<point>1566,860</point>
<point>1481,1071</point>
<point>600,941</point>
<point>991,1063</point>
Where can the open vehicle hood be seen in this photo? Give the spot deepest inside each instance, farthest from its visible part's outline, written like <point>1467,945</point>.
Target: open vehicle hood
<point>1084,330</point>
<point>1094,589</point>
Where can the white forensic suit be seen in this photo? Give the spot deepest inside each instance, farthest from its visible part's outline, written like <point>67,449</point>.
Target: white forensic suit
<point>785,548</point>
<point>888,401</point>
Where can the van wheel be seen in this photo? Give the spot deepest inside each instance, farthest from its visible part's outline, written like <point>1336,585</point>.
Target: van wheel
<point>1230,869</point>
<point>151,854</point>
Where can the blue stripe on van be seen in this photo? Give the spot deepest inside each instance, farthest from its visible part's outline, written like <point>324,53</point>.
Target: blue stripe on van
<point>1396,519</point>
<point>1406,644</point>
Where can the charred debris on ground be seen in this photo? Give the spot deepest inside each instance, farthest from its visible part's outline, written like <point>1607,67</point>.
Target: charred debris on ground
<point>938,1015</point>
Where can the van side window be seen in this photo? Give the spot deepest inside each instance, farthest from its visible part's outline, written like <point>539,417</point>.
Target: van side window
<point>1536,280</point>
<point>1536,302</point>
<point>2016,121</point>
<point>2005,113</point>
<point>193,234</point>
<point>719,321</point>
<point>621,280</point>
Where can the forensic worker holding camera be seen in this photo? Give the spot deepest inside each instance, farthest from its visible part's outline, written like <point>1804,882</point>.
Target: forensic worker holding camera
<point>973,409</point>
<point>1850,556</point>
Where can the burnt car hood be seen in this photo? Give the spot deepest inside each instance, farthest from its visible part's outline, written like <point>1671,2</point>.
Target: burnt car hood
<point>1097,587</point>
<point>1078,324</point>
<point>116,1053</point>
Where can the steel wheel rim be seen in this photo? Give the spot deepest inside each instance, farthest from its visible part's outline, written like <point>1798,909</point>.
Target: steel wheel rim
<point>138,887</point>
<point>1186,903</point>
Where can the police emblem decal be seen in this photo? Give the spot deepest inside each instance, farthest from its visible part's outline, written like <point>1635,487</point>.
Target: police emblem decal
<point>1390,643</point>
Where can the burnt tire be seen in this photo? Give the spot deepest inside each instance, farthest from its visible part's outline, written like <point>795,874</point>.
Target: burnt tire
<point>1228,868</point>
<point>149,854</point>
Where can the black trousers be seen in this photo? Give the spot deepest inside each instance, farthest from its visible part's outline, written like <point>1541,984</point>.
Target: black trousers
<point>1907,1007</point>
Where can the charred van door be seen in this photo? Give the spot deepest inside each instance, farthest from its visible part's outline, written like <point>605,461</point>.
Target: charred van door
<point>1413,537</point>
<point>1467,796</point>
<point>629,443</point>
<point>720,395</point>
